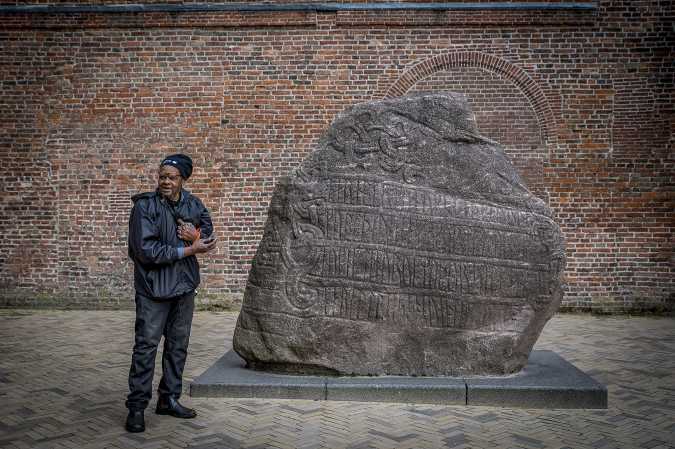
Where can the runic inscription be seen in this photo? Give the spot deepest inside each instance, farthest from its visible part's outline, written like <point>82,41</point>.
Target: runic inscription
<point>405,244</point>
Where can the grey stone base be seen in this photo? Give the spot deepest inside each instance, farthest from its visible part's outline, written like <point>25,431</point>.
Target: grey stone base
<point>547,381</point>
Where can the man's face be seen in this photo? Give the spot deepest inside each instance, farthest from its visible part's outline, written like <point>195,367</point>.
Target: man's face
<point>169,182</point>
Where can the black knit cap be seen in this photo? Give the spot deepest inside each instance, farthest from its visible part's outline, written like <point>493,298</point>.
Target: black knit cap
<point>182,162</point>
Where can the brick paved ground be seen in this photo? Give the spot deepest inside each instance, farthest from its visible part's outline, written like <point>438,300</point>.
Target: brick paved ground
<point>63,381</point>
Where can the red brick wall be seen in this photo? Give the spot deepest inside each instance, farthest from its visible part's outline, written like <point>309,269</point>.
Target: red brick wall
<point>89,103</point>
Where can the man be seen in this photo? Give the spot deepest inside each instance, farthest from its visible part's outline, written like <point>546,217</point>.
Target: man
<point>167,228</point>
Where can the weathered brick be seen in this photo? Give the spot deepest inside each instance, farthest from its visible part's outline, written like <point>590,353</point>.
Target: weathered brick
<point>89,103</point>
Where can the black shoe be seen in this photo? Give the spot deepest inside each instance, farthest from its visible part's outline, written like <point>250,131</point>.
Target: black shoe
<point>168,405</point>
<point>135,421</point>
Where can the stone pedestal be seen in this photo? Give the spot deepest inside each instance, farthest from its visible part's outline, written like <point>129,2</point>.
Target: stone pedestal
<point>547,381</point>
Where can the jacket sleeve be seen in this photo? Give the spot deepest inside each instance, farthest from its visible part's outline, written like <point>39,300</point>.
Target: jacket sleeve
<point>145,245</point>
<point>205,224</point>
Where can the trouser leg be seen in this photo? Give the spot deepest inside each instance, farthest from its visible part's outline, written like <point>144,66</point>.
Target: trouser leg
<point>176,340</point>
<point>151,317</point>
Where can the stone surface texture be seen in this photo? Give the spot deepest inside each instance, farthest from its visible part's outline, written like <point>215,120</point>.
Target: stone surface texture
<point>405,244</point>
<point>547,381</point>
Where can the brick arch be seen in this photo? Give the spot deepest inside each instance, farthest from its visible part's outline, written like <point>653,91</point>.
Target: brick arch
<point>530,89</point>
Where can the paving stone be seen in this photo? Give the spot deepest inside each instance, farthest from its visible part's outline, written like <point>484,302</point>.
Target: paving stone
<point>64,373</point>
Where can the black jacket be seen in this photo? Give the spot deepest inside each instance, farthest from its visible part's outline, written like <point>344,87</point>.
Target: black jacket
<point>154,243</point>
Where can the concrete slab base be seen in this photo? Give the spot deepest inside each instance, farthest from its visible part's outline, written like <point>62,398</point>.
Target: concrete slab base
<point>547,381</point>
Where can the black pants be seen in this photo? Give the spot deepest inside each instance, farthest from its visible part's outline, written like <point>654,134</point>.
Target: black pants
<point>154,319</point>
